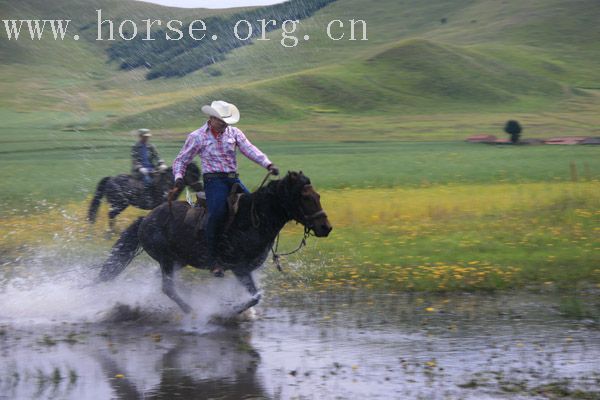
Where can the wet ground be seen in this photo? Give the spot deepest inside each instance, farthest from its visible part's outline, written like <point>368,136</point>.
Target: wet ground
<point>59,341</point>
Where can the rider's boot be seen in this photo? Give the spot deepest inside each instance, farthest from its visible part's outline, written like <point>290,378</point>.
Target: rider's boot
<point>216,270</point>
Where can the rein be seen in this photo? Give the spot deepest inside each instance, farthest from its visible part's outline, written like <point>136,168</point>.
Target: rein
<point>253,217</point>
<point>172,196</point>
<point>277,256</point>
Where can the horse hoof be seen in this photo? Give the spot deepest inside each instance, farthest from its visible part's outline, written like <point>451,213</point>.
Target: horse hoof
<point>218,273</point>
<point>186,309</point>
<point>254,301</point>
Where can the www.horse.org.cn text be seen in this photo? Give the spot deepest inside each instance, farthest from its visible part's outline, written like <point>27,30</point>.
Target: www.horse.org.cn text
<point>128,29</point>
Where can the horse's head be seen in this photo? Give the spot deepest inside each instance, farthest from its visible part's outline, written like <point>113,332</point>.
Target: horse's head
<point>304,203</point>
<point>192,174</point>
<point>191,178</point>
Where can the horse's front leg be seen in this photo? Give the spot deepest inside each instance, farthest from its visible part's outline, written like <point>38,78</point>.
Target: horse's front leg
<point>247,281</point>
<point>112,215</point>
<point>168,286</point>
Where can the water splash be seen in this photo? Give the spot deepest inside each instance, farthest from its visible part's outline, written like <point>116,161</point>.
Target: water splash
<point>48,295</point>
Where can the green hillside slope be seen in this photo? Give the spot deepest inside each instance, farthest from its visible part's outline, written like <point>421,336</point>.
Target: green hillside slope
<point>166,58</point>
<point>467,56</point>
<point>83,16</point>
<point>66,75</point>
<point>412,76</point>
<point>422,57</point>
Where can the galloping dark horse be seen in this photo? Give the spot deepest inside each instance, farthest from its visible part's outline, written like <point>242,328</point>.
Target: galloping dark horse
<point>122,191</point>
<point>243,246</point>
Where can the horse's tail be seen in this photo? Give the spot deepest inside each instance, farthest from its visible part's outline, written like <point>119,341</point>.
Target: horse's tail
<point>122,253</point>
<point>95,203</point>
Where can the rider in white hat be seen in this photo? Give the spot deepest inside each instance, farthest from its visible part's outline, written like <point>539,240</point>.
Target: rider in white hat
<point>216,142</point>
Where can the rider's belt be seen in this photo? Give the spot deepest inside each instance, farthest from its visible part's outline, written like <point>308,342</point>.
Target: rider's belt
<point>231,175</point>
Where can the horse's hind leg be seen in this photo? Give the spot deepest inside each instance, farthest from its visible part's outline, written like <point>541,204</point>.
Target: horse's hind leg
<point>168,286</point>
<point>248,282</point>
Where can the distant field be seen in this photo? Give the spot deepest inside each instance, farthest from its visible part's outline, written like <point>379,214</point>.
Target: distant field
<point>67,170</point>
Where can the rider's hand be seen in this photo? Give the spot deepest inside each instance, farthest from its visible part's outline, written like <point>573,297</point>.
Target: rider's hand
<point>273,169</point>
<point>179,183</point>
<point>144,171</point>
<point>162,167</point>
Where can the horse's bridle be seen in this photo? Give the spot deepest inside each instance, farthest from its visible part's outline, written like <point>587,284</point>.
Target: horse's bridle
<point>308,220</point>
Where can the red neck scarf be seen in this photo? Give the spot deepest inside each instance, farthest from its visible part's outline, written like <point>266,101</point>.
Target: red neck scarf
<point>214,132</point>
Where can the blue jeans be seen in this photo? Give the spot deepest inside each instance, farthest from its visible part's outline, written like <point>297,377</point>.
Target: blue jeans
<point>217,190</point>
<point>147,180</point>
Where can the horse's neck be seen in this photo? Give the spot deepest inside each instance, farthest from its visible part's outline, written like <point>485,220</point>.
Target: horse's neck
<point>269,215</point>
<point>164,184</point>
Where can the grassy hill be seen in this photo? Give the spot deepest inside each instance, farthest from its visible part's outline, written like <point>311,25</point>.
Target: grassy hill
<point>165,57</point>
<point>484,58</point>
<point>461,58</point>
<point>412,76</point>
<point>83,16</point>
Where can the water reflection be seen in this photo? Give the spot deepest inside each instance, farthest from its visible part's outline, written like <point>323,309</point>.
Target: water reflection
<point>323,345</point>
<point>128,363</point>
<point>221,365</point>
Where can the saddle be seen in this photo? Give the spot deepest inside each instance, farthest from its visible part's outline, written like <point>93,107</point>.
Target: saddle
<point>196,215</point>
<point>233,201</point>
<point>137,182</point>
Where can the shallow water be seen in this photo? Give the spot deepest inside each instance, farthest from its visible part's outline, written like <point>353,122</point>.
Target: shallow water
<point>60,340</point>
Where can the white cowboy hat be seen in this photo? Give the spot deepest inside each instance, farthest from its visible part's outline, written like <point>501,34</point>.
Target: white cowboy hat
<point>144,132</point>
<point>222,110</point>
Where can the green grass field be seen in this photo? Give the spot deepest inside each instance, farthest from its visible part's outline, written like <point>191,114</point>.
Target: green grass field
<point>64,169</point>
<point>455,237</point>
<point>433,216</point>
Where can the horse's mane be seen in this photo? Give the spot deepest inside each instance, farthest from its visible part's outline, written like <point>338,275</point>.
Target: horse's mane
<point>283,194</point>
<point>284,191</point>
<point>292,181</point>
<point>192,169</point>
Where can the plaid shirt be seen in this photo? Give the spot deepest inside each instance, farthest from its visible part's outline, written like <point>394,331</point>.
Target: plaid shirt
<point>216,154</point>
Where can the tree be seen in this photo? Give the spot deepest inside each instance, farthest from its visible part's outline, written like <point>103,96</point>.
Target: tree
<point>513,128</point>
